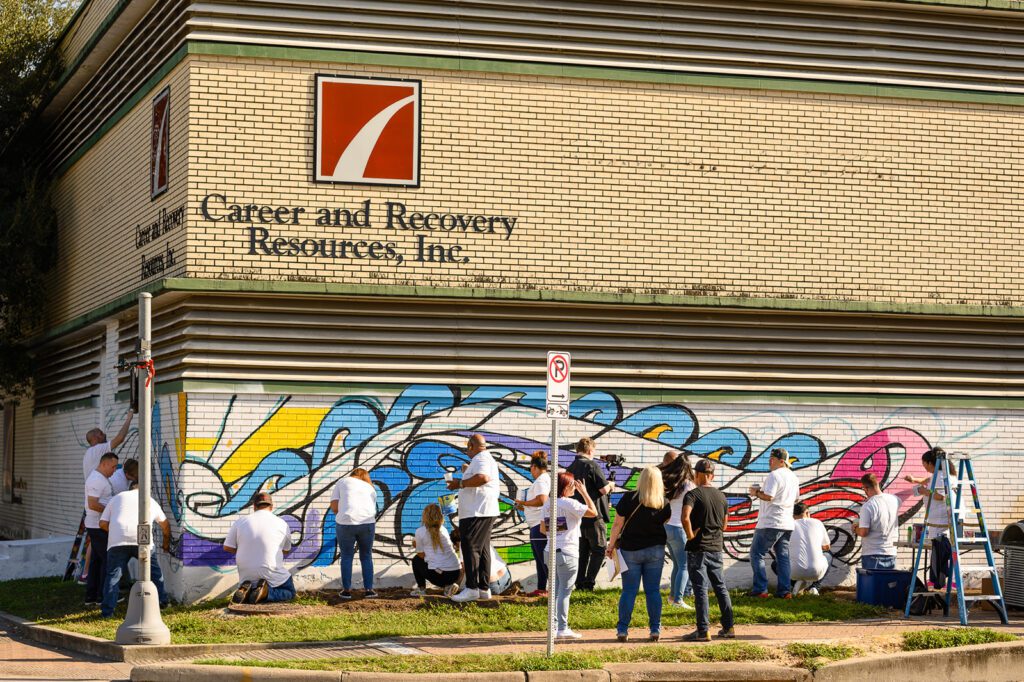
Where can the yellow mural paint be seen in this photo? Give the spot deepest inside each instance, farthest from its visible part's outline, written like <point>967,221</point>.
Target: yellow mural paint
<point>289,427</point>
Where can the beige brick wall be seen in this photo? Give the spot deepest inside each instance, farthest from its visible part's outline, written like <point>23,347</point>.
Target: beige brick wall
<point>104,196</point>
<point>637,187</point>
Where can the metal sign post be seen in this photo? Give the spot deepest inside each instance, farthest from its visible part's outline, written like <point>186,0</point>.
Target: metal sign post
<point>557,407</point>
<point>142,623</point>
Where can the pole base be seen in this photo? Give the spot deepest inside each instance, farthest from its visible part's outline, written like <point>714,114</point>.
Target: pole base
<point>142,624</point>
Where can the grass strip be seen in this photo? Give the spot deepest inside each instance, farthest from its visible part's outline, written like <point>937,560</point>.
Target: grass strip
<point>49,601</point>
<point>814,655</point>
<point>485,663</point>
<point>942,639</point>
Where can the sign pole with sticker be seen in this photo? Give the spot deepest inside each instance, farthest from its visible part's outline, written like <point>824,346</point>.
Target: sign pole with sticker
<point>557,408</point>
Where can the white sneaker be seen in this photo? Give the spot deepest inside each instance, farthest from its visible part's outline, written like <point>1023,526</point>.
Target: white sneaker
<point>451,590</point>
<point>568,634</point>
<point>683,605</point>
<point>483,594</point>
<point>813,590</point>
<point>468,594</point>
<point>417,592</point>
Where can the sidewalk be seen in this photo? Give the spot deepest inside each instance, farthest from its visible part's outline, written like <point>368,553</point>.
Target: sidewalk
<point>24,660</point>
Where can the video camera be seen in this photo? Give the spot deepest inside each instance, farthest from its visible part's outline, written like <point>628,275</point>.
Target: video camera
<point>613,460</point>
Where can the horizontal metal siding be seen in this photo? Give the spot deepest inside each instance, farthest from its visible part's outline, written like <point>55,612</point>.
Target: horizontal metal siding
<point>68,371</point>
<point>254,338</point>
<point>877,43</point>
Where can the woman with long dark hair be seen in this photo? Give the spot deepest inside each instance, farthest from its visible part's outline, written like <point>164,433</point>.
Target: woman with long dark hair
<point>678,477</point>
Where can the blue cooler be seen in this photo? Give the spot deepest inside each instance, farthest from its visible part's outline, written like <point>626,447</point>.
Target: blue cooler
<point>883,587</point>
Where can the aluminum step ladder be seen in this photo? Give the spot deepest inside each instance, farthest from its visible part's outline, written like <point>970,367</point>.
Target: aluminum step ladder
<point>958,511</point>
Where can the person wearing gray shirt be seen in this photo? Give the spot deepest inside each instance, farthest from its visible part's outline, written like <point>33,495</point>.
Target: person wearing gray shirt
<point>878,526</point>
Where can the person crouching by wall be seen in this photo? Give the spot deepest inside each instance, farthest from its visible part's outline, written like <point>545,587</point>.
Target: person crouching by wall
<point>436,560</point>
<point>569,514</point>
<point>354,503</point>
<point>533,510</point>
<point>259,542</point>
<point>639,533</point>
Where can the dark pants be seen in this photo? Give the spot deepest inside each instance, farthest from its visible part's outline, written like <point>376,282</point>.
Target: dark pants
<point>439,578</point>
<point>538,542</point>
<point>283,592</point>
<point>117,566</point>
<point>97,564</point>
<point>942,554</point>
<point>704,568</point>
<point>593,541</point>
<point>475,536</point>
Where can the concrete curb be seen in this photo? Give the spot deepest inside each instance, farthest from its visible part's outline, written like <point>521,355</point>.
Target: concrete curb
<point>700,672</point>
<point>227,673</point>
<point>998,662</point>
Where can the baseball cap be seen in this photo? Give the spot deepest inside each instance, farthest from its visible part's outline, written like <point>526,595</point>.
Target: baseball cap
<point>781,453</point>
<point>704,466</point>
<point>262,500</point>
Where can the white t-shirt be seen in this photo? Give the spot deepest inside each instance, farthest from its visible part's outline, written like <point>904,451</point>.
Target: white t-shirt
<point>542,486</point>
<point>119,482</point>
<point>784,487</point>
<point>357,502</point>
<point>481,501</point>
<point>937,511</point>
<point>261,540</point>
<point>676,503</point>
<point>123,516</point>
<point>807,558</point>
<point>880,515</point>
<point>570,513</point>
<point>91,460</point>
<point>96,485</point>
<point>438,559</point>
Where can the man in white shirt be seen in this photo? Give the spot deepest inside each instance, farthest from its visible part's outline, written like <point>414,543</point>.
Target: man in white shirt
<point>808,550</point>
<point>878,526</point>
<point>124,477</point>
<point>99,445</point>
<point>259,542</point>
<point>478,507</point>
<point>120,520</point>
<point>937,514</point>
<point>778,494</point>
<point>97,495</point>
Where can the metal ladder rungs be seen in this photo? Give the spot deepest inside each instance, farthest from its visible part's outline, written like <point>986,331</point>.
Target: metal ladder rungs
<point>980,597</point>
<point>977,569</point>
<point>972,541</point>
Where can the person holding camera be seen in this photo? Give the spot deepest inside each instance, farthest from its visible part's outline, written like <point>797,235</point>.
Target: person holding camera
<point>533,510</point>
<point>774,524</point>
<point>593,530</point>
<point>569,515</point>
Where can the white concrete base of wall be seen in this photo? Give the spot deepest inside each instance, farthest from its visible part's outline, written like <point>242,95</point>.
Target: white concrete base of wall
<point>40,558</point>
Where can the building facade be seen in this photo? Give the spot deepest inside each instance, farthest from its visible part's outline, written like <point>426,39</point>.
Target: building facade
<point>795,225</point>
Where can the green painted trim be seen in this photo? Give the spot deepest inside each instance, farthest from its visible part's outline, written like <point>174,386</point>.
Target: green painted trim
<point>689,396</point>
<point>587,297</point>
<point>99,313</point>
<point>68,406</point>
<point>93,40</point>
<point>123,110</point>
<point>71,22</point>
<point>602,73</point>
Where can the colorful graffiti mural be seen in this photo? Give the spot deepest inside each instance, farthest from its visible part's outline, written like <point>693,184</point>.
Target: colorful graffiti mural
<point>298,451</point>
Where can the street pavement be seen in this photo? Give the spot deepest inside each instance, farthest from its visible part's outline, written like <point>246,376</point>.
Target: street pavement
<point>24,660</point>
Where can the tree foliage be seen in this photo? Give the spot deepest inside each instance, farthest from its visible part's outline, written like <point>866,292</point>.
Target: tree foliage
<point>29,66</point>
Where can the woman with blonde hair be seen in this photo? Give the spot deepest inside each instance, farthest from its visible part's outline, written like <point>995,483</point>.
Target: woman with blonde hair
<point>354,503</point>
<point>639,533</point>
<point>436,559</point>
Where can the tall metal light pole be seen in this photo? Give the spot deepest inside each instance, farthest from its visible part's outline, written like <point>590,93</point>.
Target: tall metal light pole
<point>142,624</point>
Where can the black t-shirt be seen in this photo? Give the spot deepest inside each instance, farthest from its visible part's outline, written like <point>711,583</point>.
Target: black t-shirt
<point>587,470</point>
<point>708,512</point>
<point>644,527</point>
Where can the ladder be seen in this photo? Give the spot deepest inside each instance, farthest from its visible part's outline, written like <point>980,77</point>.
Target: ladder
<point>957,510</point>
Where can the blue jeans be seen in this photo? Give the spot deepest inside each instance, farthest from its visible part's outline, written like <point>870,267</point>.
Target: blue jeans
<point>679,582</point>
<point>283,592</point>
<point>117,564</point>
<point>705,568</point>
<point>883,562</point>
<point>646,565</point>
<point>538,541</point>
<point>348,538</point>
<point>566,568</point>
<point>766,539</point>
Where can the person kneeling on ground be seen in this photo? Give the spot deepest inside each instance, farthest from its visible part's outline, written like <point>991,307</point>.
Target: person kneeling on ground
<point>809,551</point>
<point>120,519</point>
<point>705,516</point>
<point>436,560</point>
<point>259,542</point>
<point>569,514</point>
<point>501,578</point>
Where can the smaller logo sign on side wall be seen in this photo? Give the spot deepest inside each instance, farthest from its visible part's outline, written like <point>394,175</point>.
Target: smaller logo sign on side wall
<point>160,134</point>
<point>367,131</point>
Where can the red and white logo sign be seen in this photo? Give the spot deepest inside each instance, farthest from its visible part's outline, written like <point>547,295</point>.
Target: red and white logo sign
<point>160,138</point>
<point>367,131</point>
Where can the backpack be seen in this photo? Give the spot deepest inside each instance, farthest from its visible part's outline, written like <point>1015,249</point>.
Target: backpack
<point>923,604</point>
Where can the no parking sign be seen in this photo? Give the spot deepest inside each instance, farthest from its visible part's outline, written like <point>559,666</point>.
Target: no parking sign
<point>559,371</point>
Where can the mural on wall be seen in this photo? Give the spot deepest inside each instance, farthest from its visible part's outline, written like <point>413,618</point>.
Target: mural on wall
<point>298,450</point>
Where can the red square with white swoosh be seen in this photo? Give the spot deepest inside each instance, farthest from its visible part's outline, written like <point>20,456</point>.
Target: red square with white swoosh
<point>367,131</point>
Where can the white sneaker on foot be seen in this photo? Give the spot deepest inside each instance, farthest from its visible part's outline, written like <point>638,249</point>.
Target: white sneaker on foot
<point>468,594</point>
<point>483,594</point>
<point>417,592</point>
<point>568,634</point>
<point>683,605</point>
<point>451,590</point>
<point>813,590</point>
